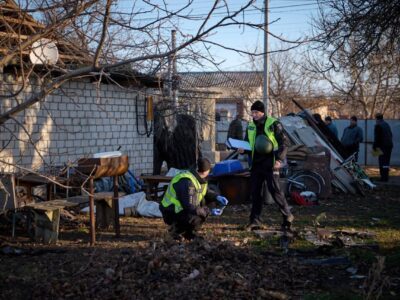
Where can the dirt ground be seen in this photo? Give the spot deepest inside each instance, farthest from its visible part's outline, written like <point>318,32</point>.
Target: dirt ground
<point>361,260</point>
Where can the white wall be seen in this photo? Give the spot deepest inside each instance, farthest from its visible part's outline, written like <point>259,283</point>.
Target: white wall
<point>74,122</point>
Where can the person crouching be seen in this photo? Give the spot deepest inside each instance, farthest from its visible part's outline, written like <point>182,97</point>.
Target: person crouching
<point>184,204</point>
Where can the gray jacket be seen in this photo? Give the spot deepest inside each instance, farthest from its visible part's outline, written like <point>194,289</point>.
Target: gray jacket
<point>352,136</point>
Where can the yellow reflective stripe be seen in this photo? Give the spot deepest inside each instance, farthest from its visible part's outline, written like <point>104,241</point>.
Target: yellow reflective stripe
<point>252,132</point>
<point>169,199</point>
<point>204,191</point>
<point>270,133</point>
<point>170,194</point>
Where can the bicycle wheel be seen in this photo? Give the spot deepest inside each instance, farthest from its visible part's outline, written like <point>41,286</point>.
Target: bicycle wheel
<point>320,179</point>
<point>301,182</point>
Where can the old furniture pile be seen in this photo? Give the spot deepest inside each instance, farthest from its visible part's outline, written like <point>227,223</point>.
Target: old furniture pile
<point>46,214</point>
<point>304,129</point>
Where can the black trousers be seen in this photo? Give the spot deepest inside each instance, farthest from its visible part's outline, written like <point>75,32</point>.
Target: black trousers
<point>185,223</point>
<point>257,178</point>
<point>384,163</point>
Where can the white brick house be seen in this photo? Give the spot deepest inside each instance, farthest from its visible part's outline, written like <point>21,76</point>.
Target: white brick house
<point>82,117</point>
<point>77,120</point>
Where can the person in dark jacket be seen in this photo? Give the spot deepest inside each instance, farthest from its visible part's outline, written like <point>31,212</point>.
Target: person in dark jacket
<point>383,139</point>
<point>184,204</point>
<point>235,129</point>
<point>265,164</point>
<point>352,137</point>
<point>331,126</point>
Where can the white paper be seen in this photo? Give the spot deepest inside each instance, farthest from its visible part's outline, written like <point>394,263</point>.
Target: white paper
<point>233,143</point>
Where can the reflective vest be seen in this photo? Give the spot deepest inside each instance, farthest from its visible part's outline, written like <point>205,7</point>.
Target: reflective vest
<point>268,130</point>
<point>170,194</point>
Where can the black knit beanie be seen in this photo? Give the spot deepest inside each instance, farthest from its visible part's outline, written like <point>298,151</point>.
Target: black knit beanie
<point>259,106</point>
<point>203,164</point>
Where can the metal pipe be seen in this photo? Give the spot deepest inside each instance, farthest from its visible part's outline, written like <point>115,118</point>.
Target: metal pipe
<point>266,57</point>
<point>174,71</point>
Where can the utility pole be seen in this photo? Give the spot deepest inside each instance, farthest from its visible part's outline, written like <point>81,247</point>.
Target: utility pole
<point>266,58</point>
<point>174,73</point>
<point>169,75</point>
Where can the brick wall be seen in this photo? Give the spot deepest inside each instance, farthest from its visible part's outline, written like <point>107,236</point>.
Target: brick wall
<point>75,121</point>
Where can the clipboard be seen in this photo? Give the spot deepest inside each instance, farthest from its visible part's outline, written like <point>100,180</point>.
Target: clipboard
<point>236,144</point>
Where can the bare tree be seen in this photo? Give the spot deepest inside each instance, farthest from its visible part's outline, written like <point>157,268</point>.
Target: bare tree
<point>287,80</point>
<point>357,54</point>
<point>116,38</point>
<point>368,27</point>
<point>98,37</point>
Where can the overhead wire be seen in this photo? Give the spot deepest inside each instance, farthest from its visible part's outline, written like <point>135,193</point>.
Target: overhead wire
<point>258,10</point>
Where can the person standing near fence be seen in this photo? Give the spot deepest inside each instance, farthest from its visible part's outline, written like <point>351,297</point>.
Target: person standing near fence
<point>352,137</point>
<point>331,126</point>
<point>383,139</point>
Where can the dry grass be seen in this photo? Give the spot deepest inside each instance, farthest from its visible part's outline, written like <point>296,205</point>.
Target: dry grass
<point>245,263</point>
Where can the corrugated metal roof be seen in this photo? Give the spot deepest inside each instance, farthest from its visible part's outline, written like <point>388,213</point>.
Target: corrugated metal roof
<point>220,79</point>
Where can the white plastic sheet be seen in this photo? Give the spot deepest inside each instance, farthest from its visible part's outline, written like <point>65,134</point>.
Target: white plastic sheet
<point>171,172</point>
<point>142,206</point>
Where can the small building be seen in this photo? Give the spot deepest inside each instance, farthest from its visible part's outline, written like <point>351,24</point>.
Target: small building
<point>225,95</point>
<point>233,91</point>
<point>86,115</point>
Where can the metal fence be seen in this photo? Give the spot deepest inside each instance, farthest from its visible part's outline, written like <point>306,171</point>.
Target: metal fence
<point>365,155</point>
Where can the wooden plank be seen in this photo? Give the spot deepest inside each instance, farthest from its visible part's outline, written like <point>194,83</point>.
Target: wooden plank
<point>11,6</point>
<point>300,133</point>
<point>14,35</point>
<point>61,55</point>
<point>104,166</point>
<point>311,138</point>
<point>23,22</point>
<point>50,205</point>
<point>97,196</point>
<point>156,178</point>
<point>91,212</point>
<point>105,214</point>
<point>116,207</point>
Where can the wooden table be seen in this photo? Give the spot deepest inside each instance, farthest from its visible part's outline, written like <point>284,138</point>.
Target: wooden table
<point>104,202</point>
<point>31,180</point>
<point>103,167</point>
<point>151,182</point>
<point>235,187</point>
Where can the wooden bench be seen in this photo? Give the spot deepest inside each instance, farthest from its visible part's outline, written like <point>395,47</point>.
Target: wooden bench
<point>47,219</point>
<point>151,183</point>
<point>105,211</point>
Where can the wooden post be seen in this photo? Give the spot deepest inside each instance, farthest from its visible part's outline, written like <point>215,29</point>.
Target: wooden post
<point>49,187</point>
<point>47,224</point>
<point>91,208</point>
<point>116,206</point>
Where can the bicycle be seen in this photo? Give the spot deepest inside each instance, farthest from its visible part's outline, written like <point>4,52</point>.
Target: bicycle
<point>361,181</point>
<point>304,181</point>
